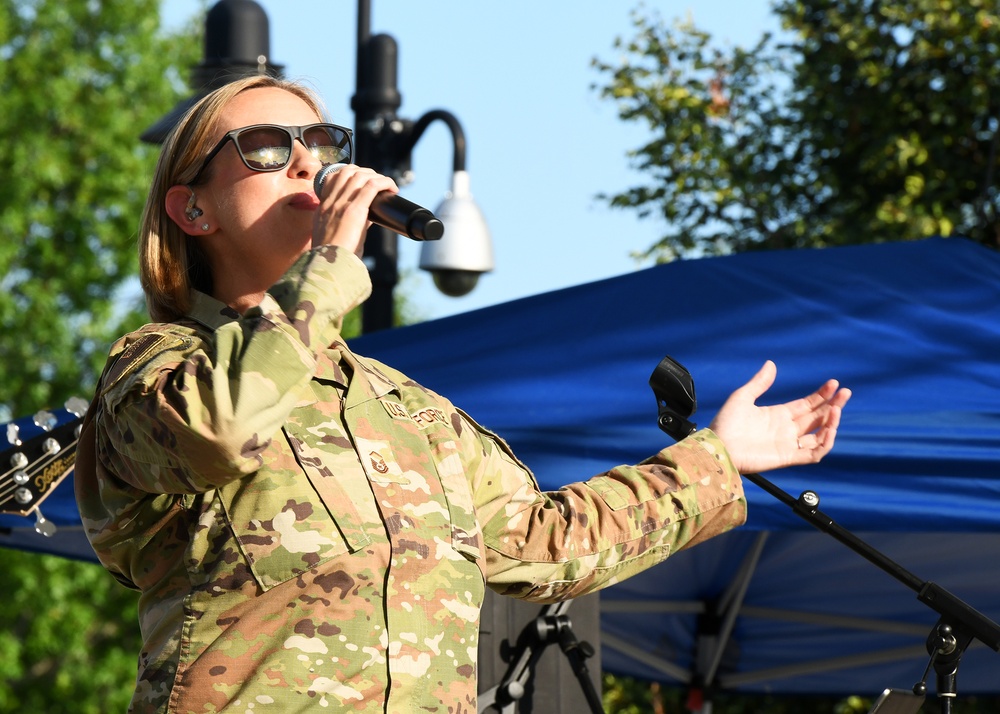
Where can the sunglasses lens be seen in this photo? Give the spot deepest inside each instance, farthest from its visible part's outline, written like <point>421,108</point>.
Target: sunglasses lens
<point>265,148</point>
<point>329,144</point>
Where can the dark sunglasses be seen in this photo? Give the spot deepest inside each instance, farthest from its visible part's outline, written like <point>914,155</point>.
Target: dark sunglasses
<point>268,147</point>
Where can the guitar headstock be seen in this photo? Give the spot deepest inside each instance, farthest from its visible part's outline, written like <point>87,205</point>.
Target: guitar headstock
<point>40,452</point>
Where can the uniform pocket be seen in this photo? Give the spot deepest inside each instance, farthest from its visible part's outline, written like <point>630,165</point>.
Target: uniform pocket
<point>466,534</point>
<point>283,522</point>
<point>423,461</point>
<point>615,494</point>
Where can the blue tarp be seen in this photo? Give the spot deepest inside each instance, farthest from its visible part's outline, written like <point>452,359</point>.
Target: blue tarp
<point>912,328</point>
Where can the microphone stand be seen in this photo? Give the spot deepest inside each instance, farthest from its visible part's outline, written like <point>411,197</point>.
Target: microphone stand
<point>958,623</point>
<point>552,626</point>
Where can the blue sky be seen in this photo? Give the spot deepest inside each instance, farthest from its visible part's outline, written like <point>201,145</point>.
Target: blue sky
<point>541,143</point>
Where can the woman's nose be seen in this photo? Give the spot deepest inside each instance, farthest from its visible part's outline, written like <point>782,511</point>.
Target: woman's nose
<point>303,161</point>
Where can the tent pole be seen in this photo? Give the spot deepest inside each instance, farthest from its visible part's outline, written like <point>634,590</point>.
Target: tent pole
<point>732,601</point>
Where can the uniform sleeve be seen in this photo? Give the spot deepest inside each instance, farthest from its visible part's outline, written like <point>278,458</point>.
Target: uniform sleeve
<point>550,546</point>
<point>194,412</point>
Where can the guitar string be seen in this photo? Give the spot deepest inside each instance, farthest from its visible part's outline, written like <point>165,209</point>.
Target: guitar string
<point>68,427</point>
<point>7,484</point>
<point>14,469</point>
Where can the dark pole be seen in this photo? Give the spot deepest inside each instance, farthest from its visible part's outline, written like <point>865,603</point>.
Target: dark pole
<point>378,146</point>
<point>385,142</point>
<point>237,44</point>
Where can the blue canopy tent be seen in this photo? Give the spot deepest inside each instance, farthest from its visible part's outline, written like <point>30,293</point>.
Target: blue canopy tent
<point>777,606</point>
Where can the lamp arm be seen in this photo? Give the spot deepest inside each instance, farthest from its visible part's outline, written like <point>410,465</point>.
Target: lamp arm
<point>457,135</point>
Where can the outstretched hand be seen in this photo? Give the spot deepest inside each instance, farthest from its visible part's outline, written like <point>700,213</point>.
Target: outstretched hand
<point>765,438</point>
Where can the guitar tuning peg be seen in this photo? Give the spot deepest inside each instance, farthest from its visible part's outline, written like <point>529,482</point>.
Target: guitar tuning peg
<point>14,434</point>
<point>43,526</point>
<point>51,447</point>
<point>45,420</point>
<point>76,406</point>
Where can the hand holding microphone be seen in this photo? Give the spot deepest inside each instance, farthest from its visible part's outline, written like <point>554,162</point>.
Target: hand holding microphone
<point>392,211</point>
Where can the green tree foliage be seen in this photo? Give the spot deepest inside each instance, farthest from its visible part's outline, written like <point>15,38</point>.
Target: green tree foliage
<point>79,82</point>
<point>870,121</point>
<point>873,121</point>
<point>69,637</point>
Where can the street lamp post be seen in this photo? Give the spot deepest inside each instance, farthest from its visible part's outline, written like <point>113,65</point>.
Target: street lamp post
<point>385,142</point>
<point>377,145</point>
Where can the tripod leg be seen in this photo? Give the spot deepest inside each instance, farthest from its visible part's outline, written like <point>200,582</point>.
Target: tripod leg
<point>578,653</point>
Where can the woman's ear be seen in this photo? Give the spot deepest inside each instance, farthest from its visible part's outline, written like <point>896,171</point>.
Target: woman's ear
<point>182,207</point>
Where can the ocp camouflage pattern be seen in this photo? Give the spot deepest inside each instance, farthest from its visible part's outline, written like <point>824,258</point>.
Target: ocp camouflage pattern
<point>312,531</point>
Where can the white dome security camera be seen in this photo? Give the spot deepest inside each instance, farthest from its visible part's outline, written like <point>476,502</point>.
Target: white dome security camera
<point>465,251</point>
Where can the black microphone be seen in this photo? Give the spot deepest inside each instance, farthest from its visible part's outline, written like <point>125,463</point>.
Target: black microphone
<point>392,211</point>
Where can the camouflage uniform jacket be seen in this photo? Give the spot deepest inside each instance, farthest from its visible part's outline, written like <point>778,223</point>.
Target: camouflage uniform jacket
<point>311,531</point>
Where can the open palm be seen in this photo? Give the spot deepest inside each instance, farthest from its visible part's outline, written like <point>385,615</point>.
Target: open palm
<point>801,431</point>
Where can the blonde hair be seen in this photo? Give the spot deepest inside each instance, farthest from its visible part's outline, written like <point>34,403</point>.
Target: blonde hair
<point>171,263</point>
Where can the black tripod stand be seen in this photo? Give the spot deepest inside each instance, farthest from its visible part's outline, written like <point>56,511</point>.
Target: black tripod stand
<point>552,626</point>
<point>958,623</point>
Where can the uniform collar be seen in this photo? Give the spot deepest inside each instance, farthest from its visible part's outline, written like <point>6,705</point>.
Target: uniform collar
<point>213,314</point>
<point>376,383</point>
